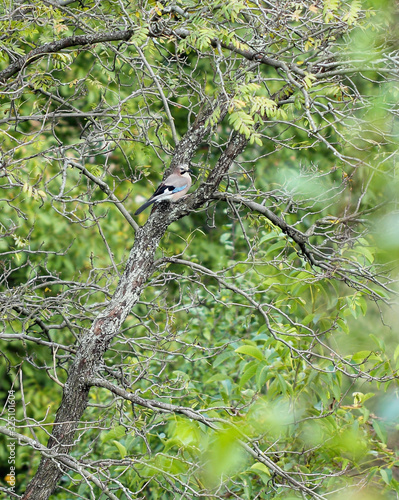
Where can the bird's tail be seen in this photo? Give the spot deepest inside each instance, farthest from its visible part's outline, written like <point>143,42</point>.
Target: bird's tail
<point>143,207</point>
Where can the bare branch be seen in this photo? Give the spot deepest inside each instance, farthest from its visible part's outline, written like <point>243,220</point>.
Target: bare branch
<point>59,45</point>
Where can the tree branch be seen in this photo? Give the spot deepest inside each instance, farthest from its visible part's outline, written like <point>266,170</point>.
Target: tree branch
<point>52,47</point>
<point>154,405</point>
<point>104,187</point>
<point>251,55</point>
<point>106,326</point>
<point>65,460</point>
<point>333,267</point>
<point>161,94</point>
<point>318,71</point>
<point>300,238</point>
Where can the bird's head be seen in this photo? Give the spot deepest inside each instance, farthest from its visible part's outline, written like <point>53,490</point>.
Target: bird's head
<point>184,168</point>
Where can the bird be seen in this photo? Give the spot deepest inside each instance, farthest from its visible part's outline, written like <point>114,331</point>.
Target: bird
<point>174,187</point>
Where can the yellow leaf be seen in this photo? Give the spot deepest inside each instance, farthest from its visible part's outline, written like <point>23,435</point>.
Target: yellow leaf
<point>296,15</point>
<point>10,479</point>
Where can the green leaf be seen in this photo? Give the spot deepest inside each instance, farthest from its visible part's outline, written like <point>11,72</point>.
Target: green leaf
<point>363,356</point>
<point>360,398</point>
<point>252,351</point>
<point>378,341</point>
<point>262,471</point>
<point>249,371</point>
<point>121,448</point>
<point>307,319</point>
<point>365,251</point>
<point>284,386</point>
<point>386,475</point>
<point>262,375</point>
<point>222,358</point>
<point>116,433</point>
<point>217,377</point>
<point>351,16</point>
<point>380,431</point>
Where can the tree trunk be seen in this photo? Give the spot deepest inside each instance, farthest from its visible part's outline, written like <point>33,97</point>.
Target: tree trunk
<point>139,268</point>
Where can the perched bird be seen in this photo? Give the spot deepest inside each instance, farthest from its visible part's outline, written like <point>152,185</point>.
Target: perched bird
<point>173,188</point>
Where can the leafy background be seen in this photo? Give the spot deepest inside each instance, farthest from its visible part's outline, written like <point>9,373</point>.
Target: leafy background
<point>194,339</point>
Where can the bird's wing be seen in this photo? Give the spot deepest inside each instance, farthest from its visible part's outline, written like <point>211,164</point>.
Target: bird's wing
<point>173,184</point>
<point>168,190</point>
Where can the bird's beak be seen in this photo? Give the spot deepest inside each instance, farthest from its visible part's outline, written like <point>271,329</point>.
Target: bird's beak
<point>191,170</point>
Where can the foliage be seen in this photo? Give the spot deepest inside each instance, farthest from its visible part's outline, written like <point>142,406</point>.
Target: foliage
<point>257,362</point>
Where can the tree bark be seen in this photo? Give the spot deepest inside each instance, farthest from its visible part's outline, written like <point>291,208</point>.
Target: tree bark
<point>139,267</point>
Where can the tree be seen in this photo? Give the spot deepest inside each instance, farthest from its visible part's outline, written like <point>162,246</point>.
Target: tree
<point>211,359</point>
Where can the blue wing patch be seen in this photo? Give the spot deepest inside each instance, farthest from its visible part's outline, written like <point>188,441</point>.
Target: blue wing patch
<point>177,190</point>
